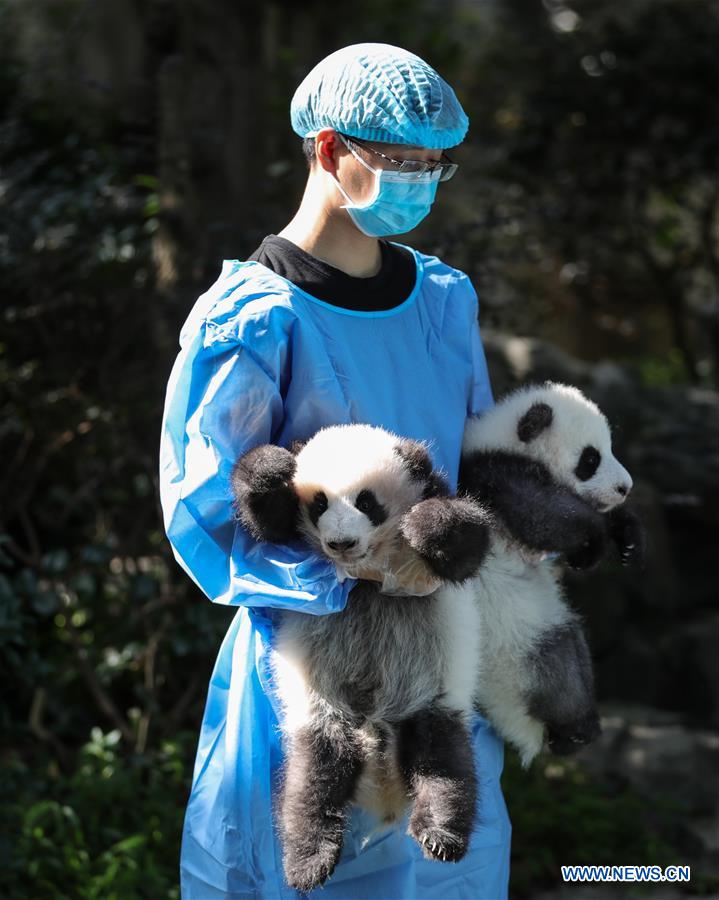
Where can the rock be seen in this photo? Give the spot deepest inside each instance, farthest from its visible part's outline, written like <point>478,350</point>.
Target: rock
<point>698,660</point>
<point>655,753</point>
<point>515,360</point>
<point>675,769</point>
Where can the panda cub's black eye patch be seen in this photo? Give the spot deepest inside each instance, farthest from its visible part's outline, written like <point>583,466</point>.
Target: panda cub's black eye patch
<point>367,503</point>
<point>317,507</point>
<point>588,463</point>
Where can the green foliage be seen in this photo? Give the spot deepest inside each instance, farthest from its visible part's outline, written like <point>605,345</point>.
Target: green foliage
<point>110,831</point>
<point>105,647</point>
<point>661,371</point>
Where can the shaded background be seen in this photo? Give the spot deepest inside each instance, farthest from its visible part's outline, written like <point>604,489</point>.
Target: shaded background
<point>141,143</point>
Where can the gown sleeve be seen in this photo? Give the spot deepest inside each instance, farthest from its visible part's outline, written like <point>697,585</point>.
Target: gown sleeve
<point>481,397</point>
<point>225,396</point>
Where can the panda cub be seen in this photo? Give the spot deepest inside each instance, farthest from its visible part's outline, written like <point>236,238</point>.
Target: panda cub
<point>376,697</point>
<point>541,462</point>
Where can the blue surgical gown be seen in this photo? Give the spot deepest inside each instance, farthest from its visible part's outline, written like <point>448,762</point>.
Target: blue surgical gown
<point>262,361</point>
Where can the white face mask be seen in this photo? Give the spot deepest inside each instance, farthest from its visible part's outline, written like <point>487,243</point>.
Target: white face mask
<point>398,203</point>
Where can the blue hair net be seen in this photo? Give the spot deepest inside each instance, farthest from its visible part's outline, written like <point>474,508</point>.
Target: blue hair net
<point>380,93</point>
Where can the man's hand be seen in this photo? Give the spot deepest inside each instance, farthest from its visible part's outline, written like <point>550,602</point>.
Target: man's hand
<point>406,574</point>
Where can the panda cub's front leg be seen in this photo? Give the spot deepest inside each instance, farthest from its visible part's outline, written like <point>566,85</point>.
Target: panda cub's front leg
<point>265,500</point>
<point>533,508</point>
<point>322,767</point>
<point>451,534</point>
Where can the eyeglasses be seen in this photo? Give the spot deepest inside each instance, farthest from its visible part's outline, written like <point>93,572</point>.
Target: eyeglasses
<point>445,167</point>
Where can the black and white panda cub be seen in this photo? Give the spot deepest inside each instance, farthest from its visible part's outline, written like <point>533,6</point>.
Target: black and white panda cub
<point>376,697</point>
<point>541,463</point>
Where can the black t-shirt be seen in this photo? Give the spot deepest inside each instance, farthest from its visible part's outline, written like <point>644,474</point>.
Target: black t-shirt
<point>390,287</point>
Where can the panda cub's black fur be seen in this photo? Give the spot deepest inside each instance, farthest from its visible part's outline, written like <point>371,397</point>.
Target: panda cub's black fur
<point>376,698</point>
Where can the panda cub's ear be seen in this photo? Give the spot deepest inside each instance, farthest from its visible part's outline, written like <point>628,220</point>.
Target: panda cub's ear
<point>296,446</point>
<point>419,465</point>
<point>536,419</point>
<point>415,457</point>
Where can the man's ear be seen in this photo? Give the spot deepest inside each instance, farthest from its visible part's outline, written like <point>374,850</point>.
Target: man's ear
<point>327,146</point>
<point>536,420</point>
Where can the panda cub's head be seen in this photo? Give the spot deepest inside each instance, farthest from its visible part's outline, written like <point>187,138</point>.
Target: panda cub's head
<point>354,483</point>
<point>559,427</point>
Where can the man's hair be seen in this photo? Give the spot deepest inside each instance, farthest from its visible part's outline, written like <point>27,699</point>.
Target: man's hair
<point>308,148</point>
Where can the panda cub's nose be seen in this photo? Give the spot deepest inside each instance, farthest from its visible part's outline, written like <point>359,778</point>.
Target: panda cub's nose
<point>341,546</point>
<point>622,489</point>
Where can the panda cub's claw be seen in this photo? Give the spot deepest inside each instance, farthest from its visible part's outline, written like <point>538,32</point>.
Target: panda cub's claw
<point>438,843</point>
<point>452,535</point>
<point>627,533</point>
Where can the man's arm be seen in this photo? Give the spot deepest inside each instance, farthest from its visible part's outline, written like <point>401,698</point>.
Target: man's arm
<point>223,398</point>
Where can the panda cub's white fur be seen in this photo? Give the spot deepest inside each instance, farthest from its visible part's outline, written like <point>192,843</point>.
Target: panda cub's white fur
<point>520,603</point>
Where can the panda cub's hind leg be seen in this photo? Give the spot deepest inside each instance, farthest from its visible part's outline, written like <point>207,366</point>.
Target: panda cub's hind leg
<point>562,691</point>
<point>437,761</point>
<point>321,771</point>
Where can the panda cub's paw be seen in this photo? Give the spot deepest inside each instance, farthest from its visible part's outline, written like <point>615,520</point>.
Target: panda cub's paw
<point>436,841</point>
<point>264,498</point>
<point>569,737</point>
<point>589,552</point>
<point>451,534</point>
<point>307,870</point>
<point>627,533</point>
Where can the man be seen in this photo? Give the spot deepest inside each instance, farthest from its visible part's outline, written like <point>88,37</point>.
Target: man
<point>326,323</point>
